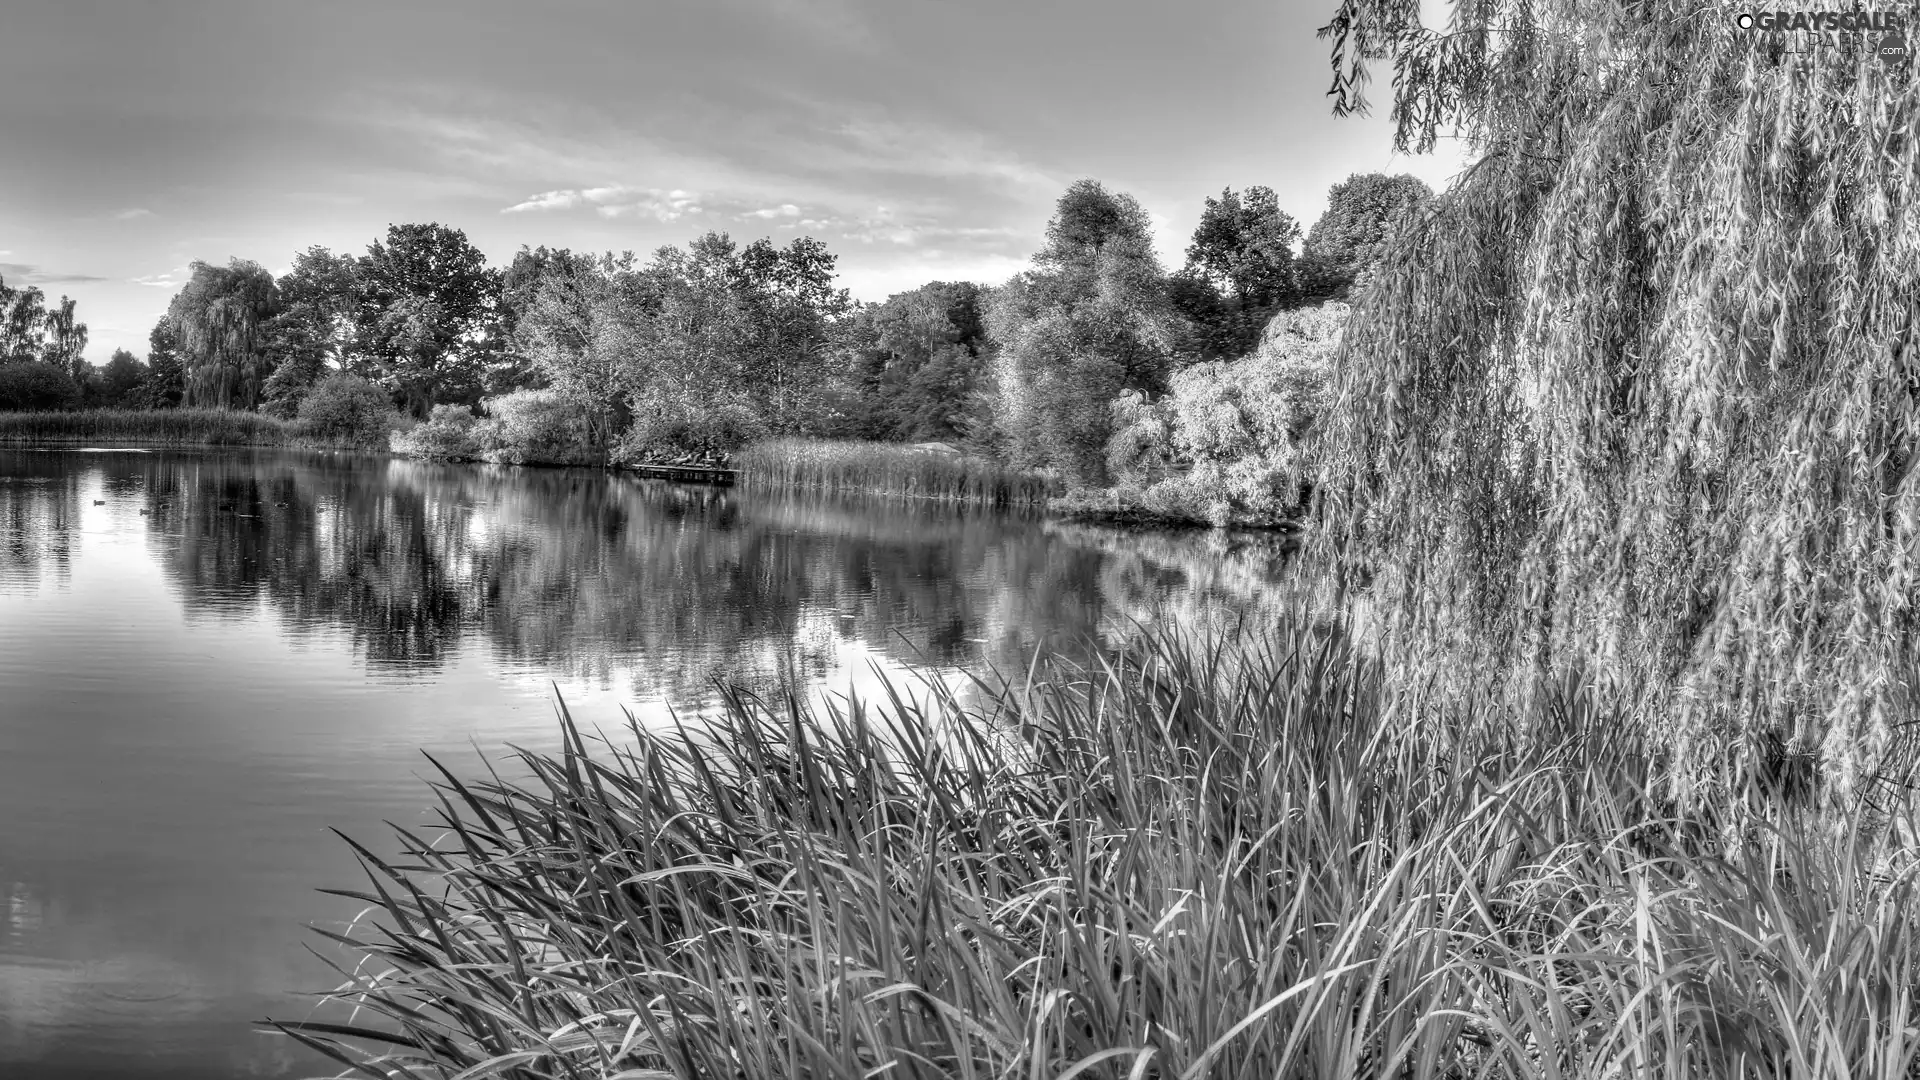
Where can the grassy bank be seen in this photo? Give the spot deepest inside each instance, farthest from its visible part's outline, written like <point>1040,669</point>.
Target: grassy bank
<point>888,469</point>
<point>1235,858</point>
<point>167,427</point>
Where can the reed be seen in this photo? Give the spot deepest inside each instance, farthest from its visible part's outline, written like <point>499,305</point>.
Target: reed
<point>1187,858</point>
<point>166,427</point>
<point>888,469</point>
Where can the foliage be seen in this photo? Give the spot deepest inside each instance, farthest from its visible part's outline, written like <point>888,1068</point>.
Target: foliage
<point>575,323</point>
<point>1640,393</point>
<point>1354,231</point>
<point>30,331</point>
<point>1228,443</point>
<point>312,331</point>
<point>918,361</point>
<point>121,379</point>
<point>536,427</point>
<point>219,322</point>
<point>143,427</point>
<point>34,385</point>
<point>426,304</point>
<point>347,410</point>
<point>888,469</point>
<point>1187,858</point>
<point>673,426</point>
<point>165,383</point>
<point>449,433</point>
<point>1239,271</point>
<point>1092,319</point>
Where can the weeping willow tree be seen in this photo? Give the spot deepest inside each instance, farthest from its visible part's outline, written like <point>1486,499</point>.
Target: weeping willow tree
<point>1636,400</point>
<point>220,321</point>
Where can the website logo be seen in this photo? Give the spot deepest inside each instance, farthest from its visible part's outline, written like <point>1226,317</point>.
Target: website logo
<point>1882,32</point>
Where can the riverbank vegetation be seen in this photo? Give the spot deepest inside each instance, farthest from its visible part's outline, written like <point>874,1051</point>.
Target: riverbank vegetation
<point>692,354</point>
<point>940,473</point>
<point>1188,858</point>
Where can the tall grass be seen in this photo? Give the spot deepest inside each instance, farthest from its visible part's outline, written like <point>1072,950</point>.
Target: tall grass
<point>888,469</point>
<point>166,427</point>
<point>1218,858</point>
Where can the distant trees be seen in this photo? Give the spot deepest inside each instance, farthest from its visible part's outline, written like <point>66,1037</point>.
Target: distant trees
<point>1091,319</point>
<point>1351,236</point>
<point>1239,271</point>
<point>426,301</point>
<point>165,384</point>
<point>219,321</point>
<point>313,328</point>
<point>918,363</point>
<point>121,378</point>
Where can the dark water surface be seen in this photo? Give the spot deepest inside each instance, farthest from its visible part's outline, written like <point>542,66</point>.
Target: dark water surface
<point>190,697</point>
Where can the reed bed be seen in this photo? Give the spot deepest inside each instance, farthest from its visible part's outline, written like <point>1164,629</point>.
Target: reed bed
<point>165,427</point>
<point>1222,857</point>
<point>889,469</point>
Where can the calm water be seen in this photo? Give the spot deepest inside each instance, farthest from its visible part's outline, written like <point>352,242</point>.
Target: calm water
<point>190,697</point>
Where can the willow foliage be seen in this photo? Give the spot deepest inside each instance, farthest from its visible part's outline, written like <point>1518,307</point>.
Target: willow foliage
<point>1638,396</point>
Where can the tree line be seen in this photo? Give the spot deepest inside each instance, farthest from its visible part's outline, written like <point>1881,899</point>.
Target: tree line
<point>704,347</point>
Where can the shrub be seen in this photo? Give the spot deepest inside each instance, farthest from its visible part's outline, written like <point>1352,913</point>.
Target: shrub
<point>347,410</point>
<point>670,429</point>
<point>450,433</point>
<point>1228,442</point>
<point>29,385</point>
<point>535,427</point>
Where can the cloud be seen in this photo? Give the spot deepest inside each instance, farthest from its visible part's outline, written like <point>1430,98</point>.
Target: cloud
<point>172,279</point>
<point>784,210</point>
<point>28,274</point>
<point>614,201</point>
<point>132,213</point>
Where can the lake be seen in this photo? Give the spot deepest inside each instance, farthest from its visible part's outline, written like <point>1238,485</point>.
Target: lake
<point>209,659</point>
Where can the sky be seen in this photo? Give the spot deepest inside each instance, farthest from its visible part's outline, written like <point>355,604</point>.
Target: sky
<point>921,140</point>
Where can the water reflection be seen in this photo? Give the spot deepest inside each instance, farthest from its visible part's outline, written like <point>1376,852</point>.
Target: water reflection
<point>207,659</point>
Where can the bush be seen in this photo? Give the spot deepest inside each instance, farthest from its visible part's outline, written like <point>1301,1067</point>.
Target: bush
<point>670,429</point>
<point>535,427</point>
<point>450,433</point>
<point>1228,443</point>
<point>346,410</point>
<point>29,385</point>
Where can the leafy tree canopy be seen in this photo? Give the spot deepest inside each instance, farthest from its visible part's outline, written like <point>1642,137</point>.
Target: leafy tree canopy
<point>219,321</point>
<point>1638,398</point>
<point>1352,234</point>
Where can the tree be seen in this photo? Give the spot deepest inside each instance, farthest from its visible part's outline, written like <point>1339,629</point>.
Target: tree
<point>165,384</point>
<point>120,380</point>
<point>1244,247</point>
<point>573,320</point>
<point>23,323</point>
<point>426,302</point>
<point>1638,399</point>
<point>1090,320</point>
<point>313,328</point>
<point>66,340</point>
<point>219,320</point>
<point>921,361</point>
<point>31,385</point>
<point>787,301</point>
<point>1350,237</point>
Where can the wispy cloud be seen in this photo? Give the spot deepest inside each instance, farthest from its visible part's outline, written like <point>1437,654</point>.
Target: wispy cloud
<point>784,210</point>
<point>172,279</point>
<point>29,274</point>
<point>614,201</point>
<point>132,213</point>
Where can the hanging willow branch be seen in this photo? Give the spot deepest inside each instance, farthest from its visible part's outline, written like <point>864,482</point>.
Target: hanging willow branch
<point>1640,396</point>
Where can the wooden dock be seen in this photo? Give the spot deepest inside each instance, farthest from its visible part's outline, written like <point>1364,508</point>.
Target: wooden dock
<point>686,474</point>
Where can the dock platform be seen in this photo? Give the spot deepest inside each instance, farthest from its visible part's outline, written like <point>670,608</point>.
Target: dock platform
<point>686,474</point>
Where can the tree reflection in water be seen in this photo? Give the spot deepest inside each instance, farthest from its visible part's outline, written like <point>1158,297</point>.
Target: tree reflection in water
<point>586,574</point>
